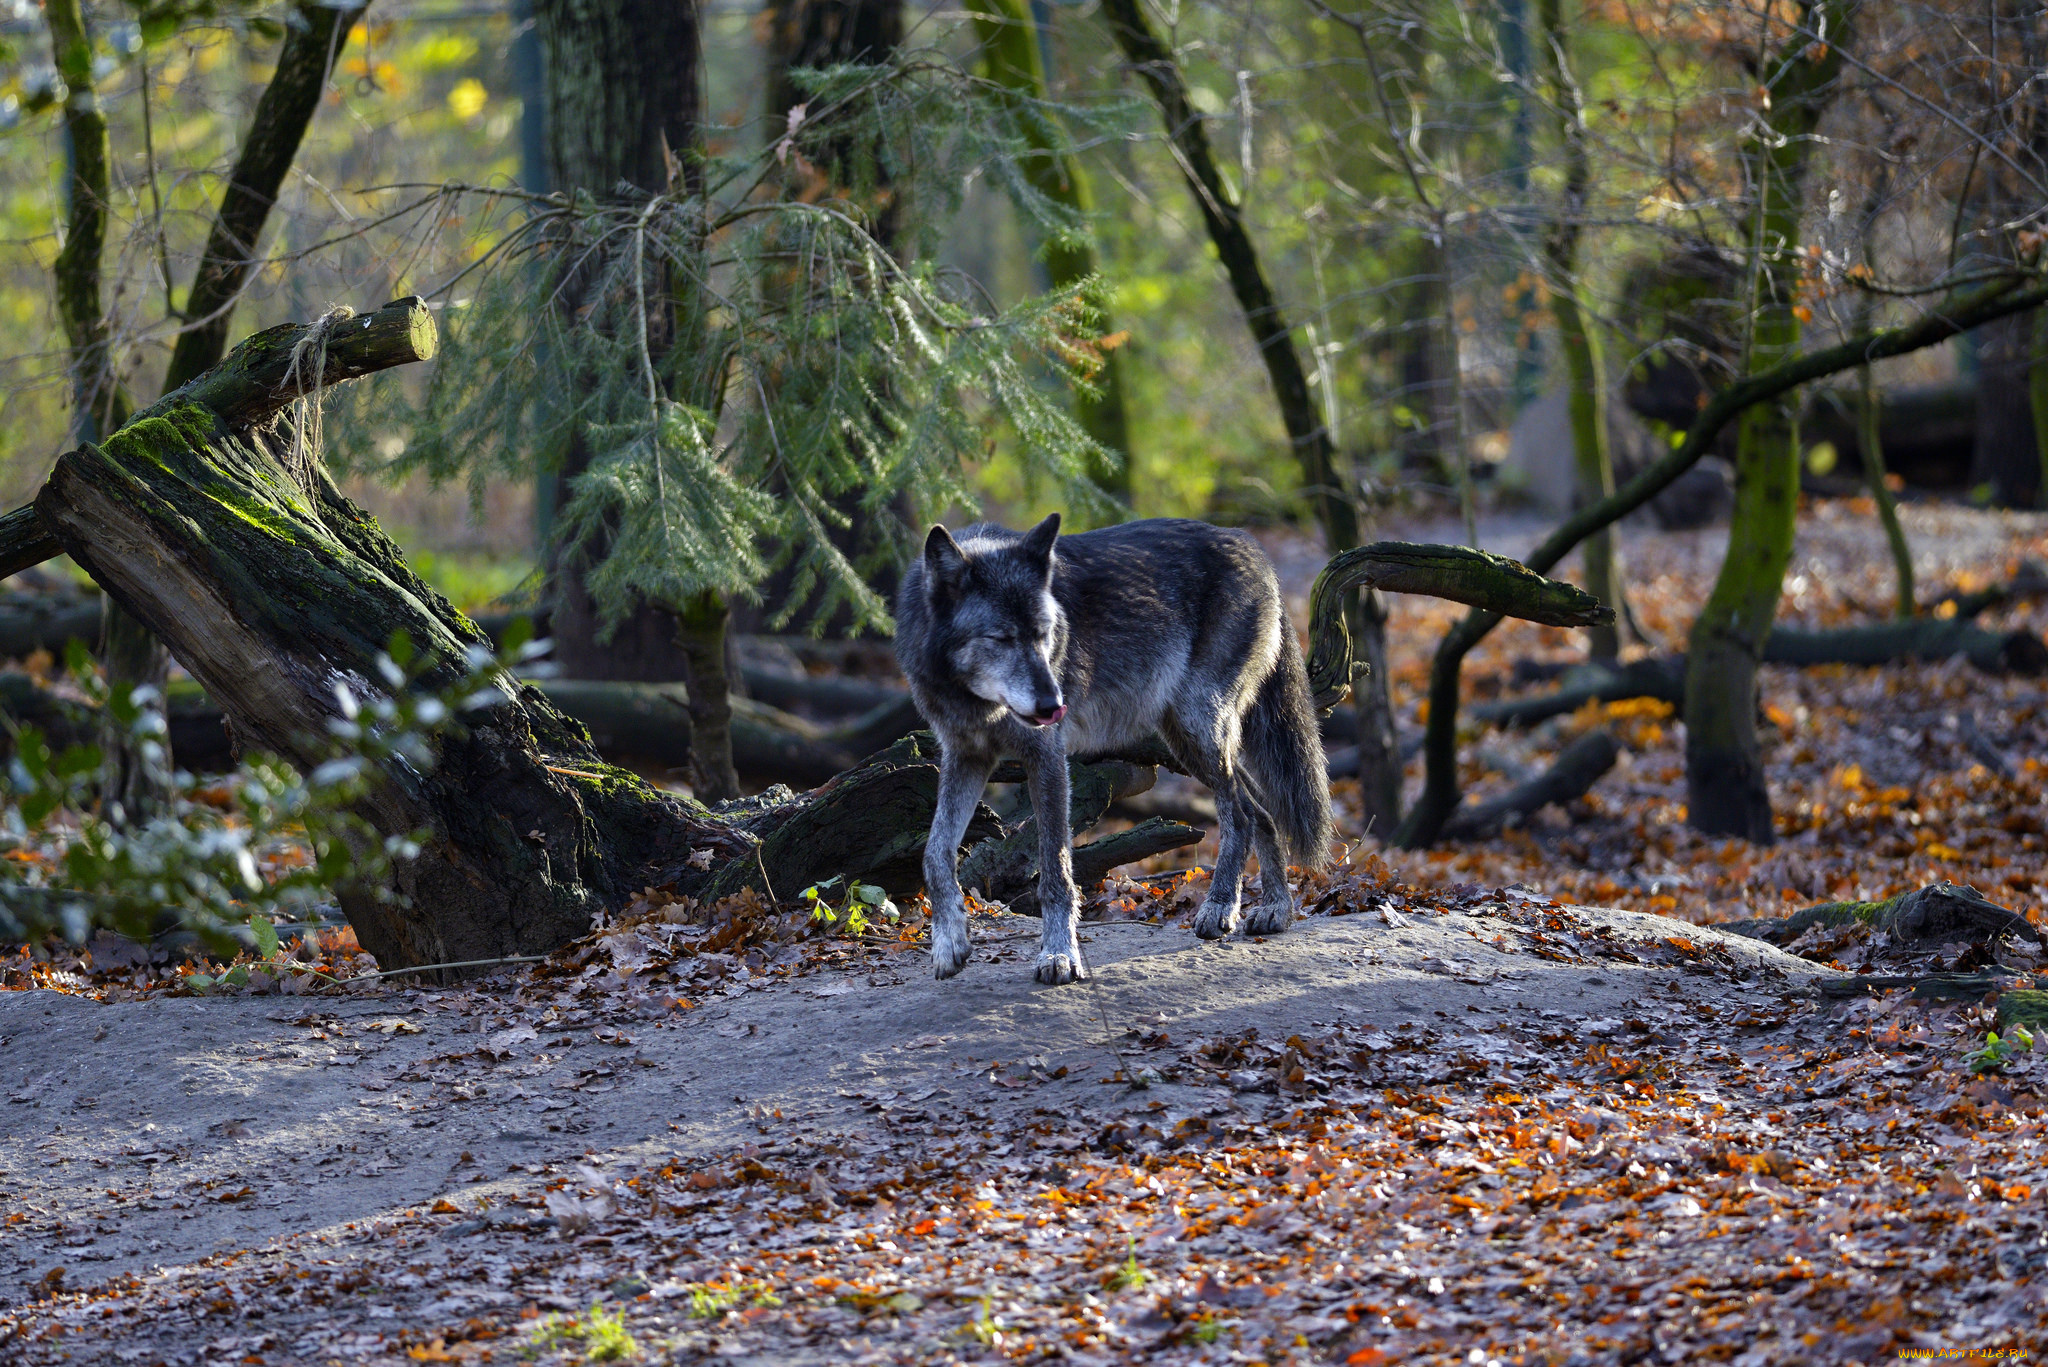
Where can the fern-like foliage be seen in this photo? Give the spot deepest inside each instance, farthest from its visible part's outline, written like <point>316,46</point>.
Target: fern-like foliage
<point>739,368</point>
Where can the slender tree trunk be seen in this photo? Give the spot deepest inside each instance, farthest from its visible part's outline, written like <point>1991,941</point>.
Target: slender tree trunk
<point>1579,341</point>
<point>1870,441</point>
<point>1725,789</point>
<point>700,631</point>
<point>312,44</point>
<point>134,778</point>
<point>1329,492</point>
<point>2005,464</point>
<point>1012,58</point>
<point>98,404</point>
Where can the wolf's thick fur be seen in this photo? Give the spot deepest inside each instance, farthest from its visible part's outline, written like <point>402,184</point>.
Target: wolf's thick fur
<point>1039,646</point>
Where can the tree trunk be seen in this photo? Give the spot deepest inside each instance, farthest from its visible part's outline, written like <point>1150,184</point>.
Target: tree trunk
<point>1871,441</point>
<point>1725,790</point>
<point>2037,403</point>
<point>1576,338</point>
<point>812,34</point>
<point>98,405</point>
<point>1013,59</point>
<point>133,780</point>
<point>313,40</point>
<point>621,110</point>
<point>700,627</point>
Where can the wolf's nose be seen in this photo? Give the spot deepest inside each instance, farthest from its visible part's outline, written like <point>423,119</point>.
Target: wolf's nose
<point>1051,718</point>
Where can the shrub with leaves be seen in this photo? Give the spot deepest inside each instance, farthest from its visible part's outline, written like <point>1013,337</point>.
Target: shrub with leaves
<point>66,867</point>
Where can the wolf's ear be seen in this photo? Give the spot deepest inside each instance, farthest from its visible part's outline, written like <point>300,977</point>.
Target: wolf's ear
<point>1038,541</point>
<point>945,564</point>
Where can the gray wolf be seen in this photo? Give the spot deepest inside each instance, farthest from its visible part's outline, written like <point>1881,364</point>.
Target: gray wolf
<point>1038,646</point>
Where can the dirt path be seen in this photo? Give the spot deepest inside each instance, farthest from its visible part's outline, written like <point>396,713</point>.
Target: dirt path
<point>152,1137</point>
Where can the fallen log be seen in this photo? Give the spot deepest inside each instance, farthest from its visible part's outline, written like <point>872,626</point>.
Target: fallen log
<point>650,724</point>
<point>1940,913</point>
<point>1917,638</point>
<point>1007,866</point>
<point>2028,582</point>
<point>30,622</point>
<point>1877,643</point>
<point>832,694</point>
<point>1570,776</point>
<point>1093,861</point>
<point>1657,677</point>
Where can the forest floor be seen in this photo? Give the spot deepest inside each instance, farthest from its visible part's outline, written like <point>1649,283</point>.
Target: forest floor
<point>1878,776</point>
<point>1436,1122</point>
<point>1418,1127</point>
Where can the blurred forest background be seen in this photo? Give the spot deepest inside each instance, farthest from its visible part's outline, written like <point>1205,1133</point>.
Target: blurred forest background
<point>1395,211</point>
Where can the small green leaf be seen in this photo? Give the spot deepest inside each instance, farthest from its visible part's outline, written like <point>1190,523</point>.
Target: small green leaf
<point>266,937</point>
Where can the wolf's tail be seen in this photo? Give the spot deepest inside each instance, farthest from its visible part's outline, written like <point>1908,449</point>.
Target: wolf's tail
<point>1283,753</point>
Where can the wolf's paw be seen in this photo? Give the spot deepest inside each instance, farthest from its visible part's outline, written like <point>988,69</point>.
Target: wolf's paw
<point>949,951</point>
<point>1055,969</point>
<point>1268,920</point>
<point>1215,920</point>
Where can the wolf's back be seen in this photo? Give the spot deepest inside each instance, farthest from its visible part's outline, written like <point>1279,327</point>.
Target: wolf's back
<point>1283,752</point>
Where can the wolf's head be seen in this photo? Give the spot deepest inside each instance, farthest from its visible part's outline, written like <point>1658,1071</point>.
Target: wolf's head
<point>1002,632</point>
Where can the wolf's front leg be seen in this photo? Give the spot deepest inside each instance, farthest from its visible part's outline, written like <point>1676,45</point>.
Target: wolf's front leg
<point>1059,949</point>
<point>962,777</point>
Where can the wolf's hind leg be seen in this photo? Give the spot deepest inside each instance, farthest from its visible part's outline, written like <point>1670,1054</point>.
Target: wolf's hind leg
<point>1059,948</point>
<point>1218,916</point>
<point>961,781</point>
<point>1275,911</point>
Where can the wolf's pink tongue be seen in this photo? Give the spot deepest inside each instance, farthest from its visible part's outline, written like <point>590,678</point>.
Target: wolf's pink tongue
<point>1054,719</point>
